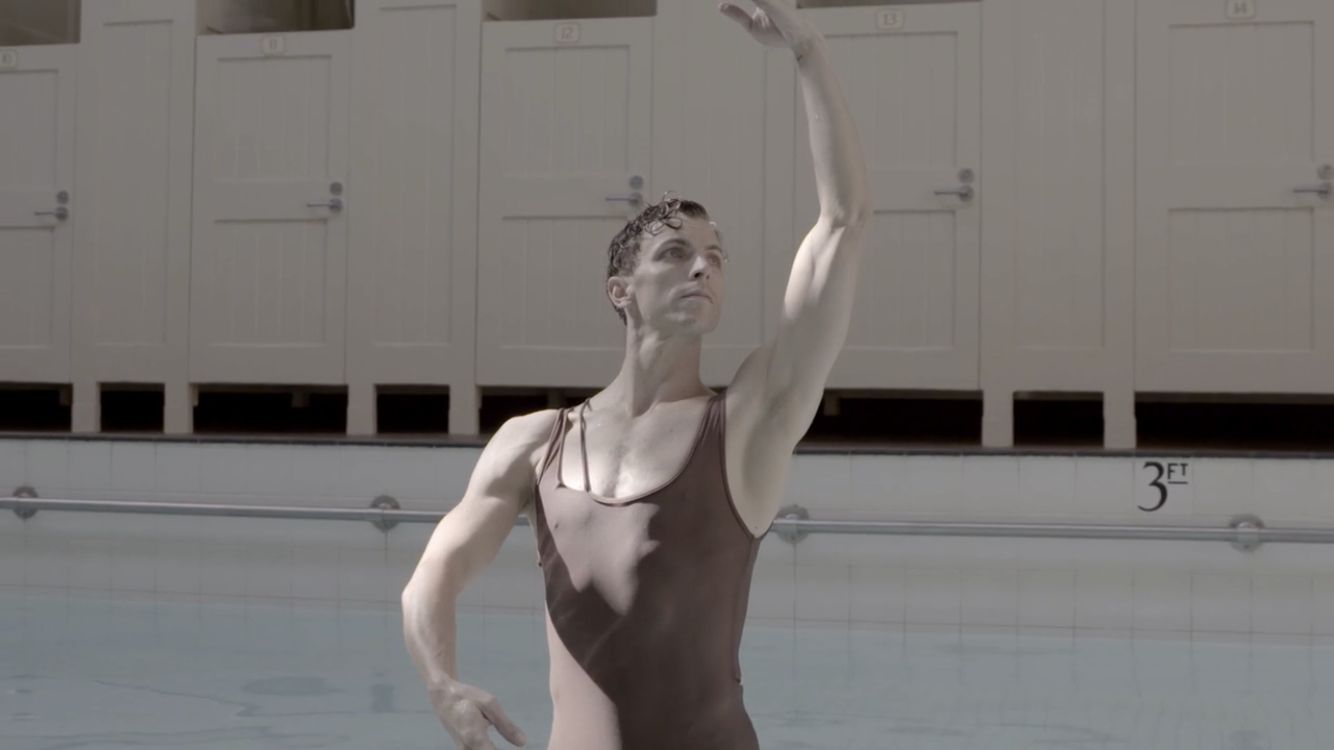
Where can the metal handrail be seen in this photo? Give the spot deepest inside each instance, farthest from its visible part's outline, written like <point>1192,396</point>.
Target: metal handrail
<point>1244,533</point>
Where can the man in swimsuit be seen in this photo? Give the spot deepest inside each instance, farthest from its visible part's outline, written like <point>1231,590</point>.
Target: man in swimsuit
<point>649,519</point>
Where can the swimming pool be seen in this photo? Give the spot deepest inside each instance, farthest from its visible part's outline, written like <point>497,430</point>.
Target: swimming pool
<point>101,670</point>
<point>157,631</point>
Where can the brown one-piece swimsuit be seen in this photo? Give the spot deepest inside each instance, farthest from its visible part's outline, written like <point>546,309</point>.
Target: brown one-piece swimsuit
<point>646,599</point>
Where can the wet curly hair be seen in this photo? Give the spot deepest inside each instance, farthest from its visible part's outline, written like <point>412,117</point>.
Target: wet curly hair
<point>623,254</point>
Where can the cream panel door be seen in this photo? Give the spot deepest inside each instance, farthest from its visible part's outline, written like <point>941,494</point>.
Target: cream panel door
<point>1057,249</point>
<point>912,81</point>
<point>565,132</point>
<point>37,99</point>
<point>1057,259</point>
<point>412,278</point>
<point>136,123</point>
<point>269,263</point>
<point>1235,266</point>
<point>709,138</point>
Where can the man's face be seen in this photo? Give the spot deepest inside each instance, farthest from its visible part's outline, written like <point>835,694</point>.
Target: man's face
<point>677,287</point>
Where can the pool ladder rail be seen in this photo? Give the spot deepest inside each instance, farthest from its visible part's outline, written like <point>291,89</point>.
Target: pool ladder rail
<point>1244,532</point>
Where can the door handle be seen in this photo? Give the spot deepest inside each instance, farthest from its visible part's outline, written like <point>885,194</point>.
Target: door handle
<point>61,213</point>
<point>333,204</point>
<point>1323,190</point>
<point>635,197</point>
<point>965,193</point>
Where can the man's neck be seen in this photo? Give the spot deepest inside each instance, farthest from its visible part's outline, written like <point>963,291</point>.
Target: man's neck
<point>655,370</point>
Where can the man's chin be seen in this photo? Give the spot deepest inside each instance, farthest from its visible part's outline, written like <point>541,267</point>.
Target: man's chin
<point>704,325</point>
<point>685,325</point>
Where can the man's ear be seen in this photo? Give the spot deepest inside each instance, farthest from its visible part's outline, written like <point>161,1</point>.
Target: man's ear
<point>618,291</point>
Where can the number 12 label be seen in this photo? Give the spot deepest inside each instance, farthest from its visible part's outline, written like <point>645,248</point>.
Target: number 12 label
<point>567,33</point>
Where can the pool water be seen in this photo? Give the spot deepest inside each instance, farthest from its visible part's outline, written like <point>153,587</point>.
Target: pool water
<point>85,670</point>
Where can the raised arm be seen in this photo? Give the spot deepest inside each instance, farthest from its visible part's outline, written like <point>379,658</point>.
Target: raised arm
<point>464,542</point>
<point>789,372</point>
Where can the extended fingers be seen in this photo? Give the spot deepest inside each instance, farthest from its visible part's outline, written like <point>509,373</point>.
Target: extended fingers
<point>736,14</point>
<point>508,729</point>
<point>477,741</point>
<point>768,6</point>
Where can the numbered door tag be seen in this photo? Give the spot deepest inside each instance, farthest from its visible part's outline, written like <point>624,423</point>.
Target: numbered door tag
<point>567,33</point>
<point>1240,10</point>
<point>889,19</point>
<point>273,46</point>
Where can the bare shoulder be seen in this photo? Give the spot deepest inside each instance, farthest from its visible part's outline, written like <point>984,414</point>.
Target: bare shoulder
<point>536,428</point>
<point>499,490</point>
<point>516,451</point>
<point>759,442</point>
<point>745,397</point>
<point>527,430</point>
<point>764,418</point>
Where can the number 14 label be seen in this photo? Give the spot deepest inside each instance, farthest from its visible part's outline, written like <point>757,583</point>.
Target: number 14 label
<point>1240,10</point>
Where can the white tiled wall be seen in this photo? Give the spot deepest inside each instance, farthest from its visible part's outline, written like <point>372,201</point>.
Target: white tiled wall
<point>1104,597</point>
<point>305,475</point>
<point>906,581</point>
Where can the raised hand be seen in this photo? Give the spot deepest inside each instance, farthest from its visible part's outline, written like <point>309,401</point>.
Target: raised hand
<point>774,23</point>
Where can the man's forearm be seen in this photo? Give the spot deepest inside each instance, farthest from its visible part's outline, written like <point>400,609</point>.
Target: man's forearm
<point>430,630</point>
<point>840,168</point>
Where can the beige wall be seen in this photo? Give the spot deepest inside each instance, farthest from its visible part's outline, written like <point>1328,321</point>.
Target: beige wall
<point>1074,289</point>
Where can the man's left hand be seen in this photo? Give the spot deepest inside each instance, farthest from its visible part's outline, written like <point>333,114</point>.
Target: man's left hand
<point>775,23</point>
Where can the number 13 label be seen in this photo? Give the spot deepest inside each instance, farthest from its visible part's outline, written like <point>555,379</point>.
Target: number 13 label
<point>889,19</point>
